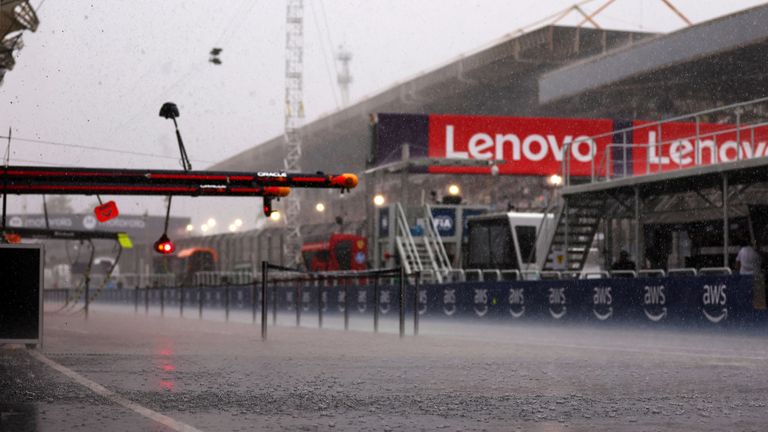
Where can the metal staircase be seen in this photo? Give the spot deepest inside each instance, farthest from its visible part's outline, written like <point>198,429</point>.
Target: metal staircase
<point>577,224</point>
<point>424,253</point>
<point>441,264</point>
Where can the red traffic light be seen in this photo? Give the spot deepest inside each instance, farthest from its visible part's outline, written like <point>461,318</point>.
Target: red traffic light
<point>267,206</point>
<point>164,245</point>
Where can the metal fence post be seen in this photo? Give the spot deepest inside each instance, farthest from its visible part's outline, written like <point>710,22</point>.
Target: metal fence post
<point>146,300</point>
<point>136,300</point>
<point>162,301</point>
<point>226,303</point>
<point>297,293</point>
<point>263,300</point>
<point>274,304</point>
<point>87,299</point>
<point>319,304</point>
<point>181,302</point>
<point>402,302</point>
<point>416,303</point>
<point>253,301</point>
<point>346,307</point>
<point>376,301</point>
<point>200,301</point>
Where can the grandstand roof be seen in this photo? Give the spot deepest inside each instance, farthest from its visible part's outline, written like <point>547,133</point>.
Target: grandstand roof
<point>711,49</point>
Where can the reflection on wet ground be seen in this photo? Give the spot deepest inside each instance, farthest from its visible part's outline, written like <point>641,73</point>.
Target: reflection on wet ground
<point>221,376</point>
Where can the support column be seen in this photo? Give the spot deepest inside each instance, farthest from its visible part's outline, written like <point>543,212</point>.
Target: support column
<point>405,156</point>
<point>566,228</point>
<point>608,242</point>
<point>637,229</point>
<point>725,221</point>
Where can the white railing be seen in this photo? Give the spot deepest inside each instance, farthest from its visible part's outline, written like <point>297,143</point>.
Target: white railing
<point>456,275</point>
<point>715,271</point>
<point>624,273</point>
<point>409,254</point>
<point>684,271</point>
<point>491,275</point>
<point>651,273</point>
<point>508,275</point>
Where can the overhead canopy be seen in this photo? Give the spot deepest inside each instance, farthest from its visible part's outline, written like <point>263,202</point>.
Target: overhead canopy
<point>712,43</point>
<point>743,172</point>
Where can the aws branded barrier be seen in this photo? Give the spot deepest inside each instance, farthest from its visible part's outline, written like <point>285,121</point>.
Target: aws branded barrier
<point>678,300</point>
<point>710,300</point>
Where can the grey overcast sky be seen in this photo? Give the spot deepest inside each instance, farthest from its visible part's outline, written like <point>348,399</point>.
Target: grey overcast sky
<point>96,72</point>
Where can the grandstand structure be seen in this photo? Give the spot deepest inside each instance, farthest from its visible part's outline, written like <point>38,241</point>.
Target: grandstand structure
<point>552,71</point>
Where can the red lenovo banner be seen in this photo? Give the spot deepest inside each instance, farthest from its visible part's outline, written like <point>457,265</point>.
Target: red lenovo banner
<point>536,146</point>
<point>671,146</point>
<point>528,145</point>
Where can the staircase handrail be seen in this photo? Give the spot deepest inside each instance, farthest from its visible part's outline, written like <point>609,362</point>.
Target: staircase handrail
<point>443,263</point>
<point>404,258</point>
<point>557,214</point>
<point>402,225</point>
<point>428,246</point>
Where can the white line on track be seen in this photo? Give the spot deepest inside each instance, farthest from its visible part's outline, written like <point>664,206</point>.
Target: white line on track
<point>114,397</point>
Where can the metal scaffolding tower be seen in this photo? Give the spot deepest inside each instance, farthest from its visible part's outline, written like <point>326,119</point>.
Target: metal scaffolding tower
<point>294,116</point>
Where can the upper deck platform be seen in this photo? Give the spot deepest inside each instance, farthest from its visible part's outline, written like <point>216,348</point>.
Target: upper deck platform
<point>739,172</point>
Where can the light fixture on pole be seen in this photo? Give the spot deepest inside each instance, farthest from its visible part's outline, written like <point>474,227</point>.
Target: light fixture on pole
<point>555,180</point>
<point>169,110</point>
<point>379,200</point>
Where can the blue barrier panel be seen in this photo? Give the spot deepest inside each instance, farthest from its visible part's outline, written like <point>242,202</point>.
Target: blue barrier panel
<point>678,300</point>
<point>719,300</point>
<point>712,299</point>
